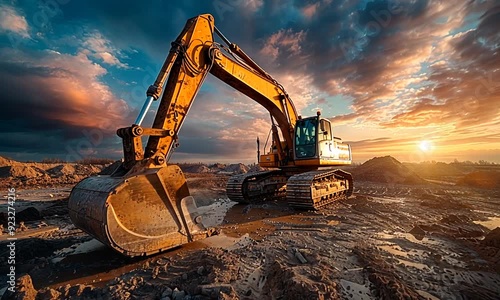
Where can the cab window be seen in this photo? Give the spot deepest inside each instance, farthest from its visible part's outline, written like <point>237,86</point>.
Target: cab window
<point>305,138</point>
<point>325,131</point>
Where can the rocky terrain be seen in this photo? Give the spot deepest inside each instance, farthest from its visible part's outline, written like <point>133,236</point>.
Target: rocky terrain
<point>18,174</point>
<point>408,232</point>
<point>33,174</point>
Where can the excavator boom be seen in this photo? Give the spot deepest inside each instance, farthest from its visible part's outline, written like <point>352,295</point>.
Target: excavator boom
<point>144,207</point>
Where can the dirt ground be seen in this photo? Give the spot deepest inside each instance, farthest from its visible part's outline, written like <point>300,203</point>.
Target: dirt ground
<point>395,239</point>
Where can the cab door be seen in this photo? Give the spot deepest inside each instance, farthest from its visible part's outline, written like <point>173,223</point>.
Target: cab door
<point>327,146</point>
<point>306,137</point>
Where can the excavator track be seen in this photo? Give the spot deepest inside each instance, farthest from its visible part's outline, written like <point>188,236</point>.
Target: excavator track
<point>256,186</point>
<point>315,189</point>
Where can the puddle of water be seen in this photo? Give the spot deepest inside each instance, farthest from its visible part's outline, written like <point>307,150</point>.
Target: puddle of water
<point>491,223</point>
<point>384,235</point>
<point>387,200</point>
<point>45,194</point>
<point>226,242</point>
<point>85,247</point>
<point>394,250</point>
<point>89,246</point>
<point>56,259</point>
<point>109,266</point>
<point>410,237</point>
<point>481,211</point>
<point>407,236</point>
<point>213,214</point>
<point>355,290</point>
<point>407,263</point>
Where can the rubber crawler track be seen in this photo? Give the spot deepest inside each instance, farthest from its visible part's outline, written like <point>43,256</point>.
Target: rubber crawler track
<point>315,189</point>
<point>310,190</point>
<point>256,187</point>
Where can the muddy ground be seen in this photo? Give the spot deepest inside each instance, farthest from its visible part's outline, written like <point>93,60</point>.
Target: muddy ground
<point>425,240</point>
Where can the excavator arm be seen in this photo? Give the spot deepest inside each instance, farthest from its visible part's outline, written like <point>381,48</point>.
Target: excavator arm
<point>193,55</point>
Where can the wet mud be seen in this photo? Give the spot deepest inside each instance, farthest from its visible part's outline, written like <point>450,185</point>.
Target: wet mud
<point>388,241</point>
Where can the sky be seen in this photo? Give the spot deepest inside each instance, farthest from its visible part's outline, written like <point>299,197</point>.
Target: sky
<point>418,80</point>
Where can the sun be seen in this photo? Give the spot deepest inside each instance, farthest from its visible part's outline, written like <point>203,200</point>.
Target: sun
<point>425,146</point>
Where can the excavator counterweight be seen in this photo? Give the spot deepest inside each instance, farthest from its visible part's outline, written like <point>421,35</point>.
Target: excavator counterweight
<point>144,207</point>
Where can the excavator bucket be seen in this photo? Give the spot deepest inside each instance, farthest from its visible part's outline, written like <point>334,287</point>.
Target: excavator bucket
<point>139,214</point>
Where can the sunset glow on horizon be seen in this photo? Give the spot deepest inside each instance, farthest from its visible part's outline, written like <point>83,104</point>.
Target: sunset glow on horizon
<point>417,80</point>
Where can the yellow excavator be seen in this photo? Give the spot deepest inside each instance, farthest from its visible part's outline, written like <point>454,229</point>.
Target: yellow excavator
<point>144,207</point>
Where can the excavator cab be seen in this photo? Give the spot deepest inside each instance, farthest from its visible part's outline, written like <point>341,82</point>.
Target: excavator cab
<point>314,143</point>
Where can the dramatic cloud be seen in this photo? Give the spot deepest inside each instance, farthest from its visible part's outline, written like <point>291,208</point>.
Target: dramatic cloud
<point>283,43</point>
<point>12,21</point>
<point>49,93</point>
<point>462,88</point>
<point>388,73</point>
<point>101,48</point>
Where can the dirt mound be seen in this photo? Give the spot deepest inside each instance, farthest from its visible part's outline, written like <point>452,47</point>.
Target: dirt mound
<point>15,174</point>
<point>386,284</point>
<point>20,171</point>
<point>440,201</point>
<point>256,168</point>
<point>86,170</point>
<point>61,170</point>
<point>481,179</point>
<point>386,169</point>
<point>196,168</point>
<point>217,166</point>
<point>7,162</point>
<point>285,282</point>
<point>23,290</point>
<point>492,239</point>
<point>236,168</point>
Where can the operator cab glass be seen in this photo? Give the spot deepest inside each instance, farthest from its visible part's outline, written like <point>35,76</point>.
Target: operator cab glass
<point>305,137</point>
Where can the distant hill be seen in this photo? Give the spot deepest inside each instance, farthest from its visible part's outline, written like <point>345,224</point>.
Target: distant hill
<point>437,170</point>
<point>386,169</point>
<point>14,173</point>
<point>195,168</point>
<point>481,179</point>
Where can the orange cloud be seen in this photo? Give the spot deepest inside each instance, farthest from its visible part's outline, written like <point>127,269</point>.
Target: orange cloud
<point>68,89</point>
<point>310,10</point>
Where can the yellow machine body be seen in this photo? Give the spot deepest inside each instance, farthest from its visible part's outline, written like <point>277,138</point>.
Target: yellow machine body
<point>145,207</point>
